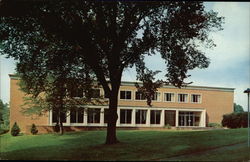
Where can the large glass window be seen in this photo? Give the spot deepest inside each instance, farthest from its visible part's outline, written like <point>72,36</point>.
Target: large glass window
<point>55,117</point>
<point>94,115</point>
<point>156,96</point>
<point>196,98</point>
<point>77,92</point>
<point>169,97</point>
<point>139,96</point>
<point>76,116</point>
<point>96,93</point>
<point>141,116</point>
<point>170,117</point>
<point>125,95</point>
<point>189,118</point>
<point>125,116</point>
<point>155,116</point>
<point>182,97</point>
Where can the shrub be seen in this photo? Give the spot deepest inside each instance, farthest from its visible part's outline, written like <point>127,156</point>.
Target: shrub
<point>15,130</point>
<point>33,129</point>
<point>57,128</point>
<point>235,120</point>
<point>168,126</point>
<point>214,125</point>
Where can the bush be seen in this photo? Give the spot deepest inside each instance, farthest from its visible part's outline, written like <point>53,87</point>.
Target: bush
<point>168,126</point>
<point>235,120</point>
<point>33,129</point>
<point>214,125</point>
<point>57,128</point>
<point>15,130</point>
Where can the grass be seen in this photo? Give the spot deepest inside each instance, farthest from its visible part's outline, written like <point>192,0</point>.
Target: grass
<point>220,145</point>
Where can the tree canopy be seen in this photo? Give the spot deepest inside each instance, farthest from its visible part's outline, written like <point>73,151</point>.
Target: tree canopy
<point>238,108</point>
<point>107,37</point>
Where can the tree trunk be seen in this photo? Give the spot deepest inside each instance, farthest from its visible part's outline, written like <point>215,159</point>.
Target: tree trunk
<point>61,123</point>
<point>111,129</point>
<point>61,128</point>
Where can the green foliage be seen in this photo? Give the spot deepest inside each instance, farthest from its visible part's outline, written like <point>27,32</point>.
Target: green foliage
<point>238,108</point>
<point>168,126</point>
<point>15,130</point>
<point>235,120</point>
<point>62,44</point>
<point>56,128</point>
<point>214,125</point>
<point>4,115</point>
<point>33,129</point>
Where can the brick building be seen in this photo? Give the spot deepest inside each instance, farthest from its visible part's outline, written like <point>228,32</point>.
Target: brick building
<point>190,106</point>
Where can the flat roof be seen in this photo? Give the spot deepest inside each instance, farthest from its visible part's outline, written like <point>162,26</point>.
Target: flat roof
<point>130,83</point>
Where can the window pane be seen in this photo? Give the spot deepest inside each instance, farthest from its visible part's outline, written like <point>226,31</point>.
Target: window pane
<point>72,116</point>
<point>80,116</point>
<point>54,117</point>
<point>141,116</point>
<point>94,115</point>
<point>125,116</point>
<point>170,117</point>
<point>128,95</point>
<point>122,94</point>
<point>139,96</point>
<point>96,93</point>
<point>155,116</point>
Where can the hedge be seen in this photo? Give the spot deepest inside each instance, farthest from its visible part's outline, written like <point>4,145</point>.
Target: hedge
<point>235,120</point>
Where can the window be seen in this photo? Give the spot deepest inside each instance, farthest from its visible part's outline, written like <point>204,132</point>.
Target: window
<point>125,116</point>
<point>95,93</point>
<point>139,96</point>
<point>141,116</point>
<point>155,116</point>
<point>156,96</point>
<point>55,117</point>
<point>125,95</point>
<point>106,115</point>
<point>196,98</point>
<point>94,115</point>
<point>169,97</point>
<point>182,97</point>
<point>76,92</point>
<point>76,116</point>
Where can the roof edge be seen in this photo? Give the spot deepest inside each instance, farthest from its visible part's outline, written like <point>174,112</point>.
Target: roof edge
<point>131,83</point>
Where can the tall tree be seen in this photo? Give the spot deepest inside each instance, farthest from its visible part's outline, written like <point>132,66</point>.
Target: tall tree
<point>238,108</point>
<point>112,36</point>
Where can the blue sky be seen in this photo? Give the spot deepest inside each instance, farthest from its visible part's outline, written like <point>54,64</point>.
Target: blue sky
<point>230,59</point>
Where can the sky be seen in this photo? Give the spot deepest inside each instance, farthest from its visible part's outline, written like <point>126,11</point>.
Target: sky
<point>230,59</point>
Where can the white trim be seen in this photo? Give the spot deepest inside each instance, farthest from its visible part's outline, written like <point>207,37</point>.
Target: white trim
<point>184,94</point>
<point>196,94</point>
<point>119,97</point>
<point>174,98</point>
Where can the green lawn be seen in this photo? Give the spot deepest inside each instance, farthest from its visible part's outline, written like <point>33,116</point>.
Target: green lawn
<point>135,145</point>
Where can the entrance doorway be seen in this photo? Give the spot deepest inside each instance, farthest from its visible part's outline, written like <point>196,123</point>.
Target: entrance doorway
<point>187,118</point>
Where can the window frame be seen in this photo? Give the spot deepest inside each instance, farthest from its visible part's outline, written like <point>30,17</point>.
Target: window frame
<point>131,92</point>
<point>183,94</point>
<point>171,97</point>
<point>158,98</point>
<point>200,101</point>
<point>140,96</point>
